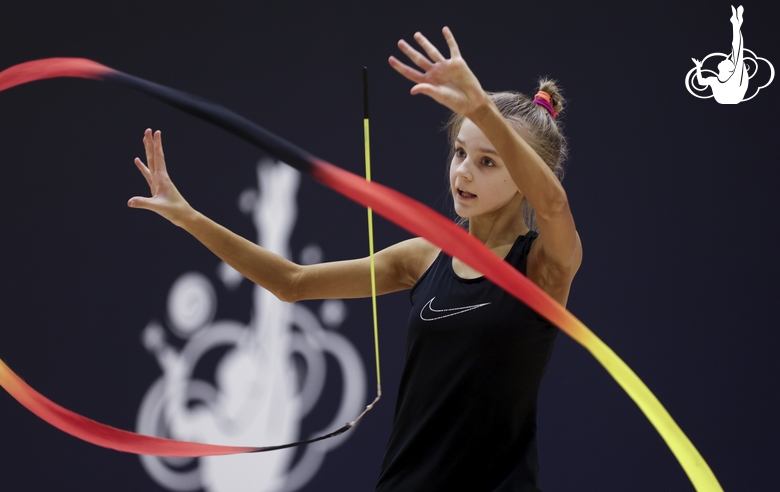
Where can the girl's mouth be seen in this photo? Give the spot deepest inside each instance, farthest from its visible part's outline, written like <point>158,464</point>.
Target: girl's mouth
<point>465,194</point>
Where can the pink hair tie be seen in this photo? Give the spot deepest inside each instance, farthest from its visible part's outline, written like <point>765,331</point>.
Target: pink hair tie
<point>543,95</point>
<point>546,104</point>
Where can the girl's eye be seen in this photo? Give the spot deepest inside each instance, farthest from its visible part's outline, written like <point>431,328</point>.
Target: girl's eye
<point>460,153</point>
<point>487,162</point>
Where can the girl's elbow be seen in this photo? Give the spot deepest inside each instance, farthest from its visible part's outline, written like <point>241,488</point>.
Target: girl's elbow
<point>287,296</point>
<point>290,289</point>
<point>556,205</point>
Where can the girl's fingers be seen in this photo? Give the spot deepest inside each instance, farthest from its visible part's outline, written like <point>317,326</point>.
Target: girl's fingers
<point>148,148</point>
<point>405,70</point>
<point>435,93</point>
<point>450,38</point>
<point>159,157</point>
<point>426,89</point>
<point>418,58</point>
<point>141,202</point>
<point>145,171</point>
<point>429,48</point>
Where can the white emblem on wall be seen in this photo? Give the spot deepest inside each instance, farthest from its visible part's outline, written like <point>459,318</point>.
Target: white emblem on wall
<point>730,84</point>
<point>270,378</point>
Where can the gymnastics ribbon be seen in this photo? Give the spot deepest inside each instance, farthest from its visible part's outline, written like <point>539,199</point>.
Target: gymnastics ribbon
<point>394,206</point>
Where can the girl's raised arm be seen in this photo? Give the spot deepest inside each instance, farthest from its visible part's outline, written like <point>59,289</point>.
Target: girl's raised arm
<point>557,252</point>
<point>397,267</point>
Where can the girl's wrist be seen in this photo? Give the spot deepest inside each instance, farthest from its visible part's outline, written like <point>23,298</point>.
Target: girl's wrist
<point>187,218</point>
<point>485,110</point>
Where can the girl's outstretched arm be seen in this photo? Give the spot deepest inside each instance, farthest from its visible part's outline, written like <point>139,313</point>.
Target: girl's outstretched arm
<point>397,267</point>
<point>558,251</point>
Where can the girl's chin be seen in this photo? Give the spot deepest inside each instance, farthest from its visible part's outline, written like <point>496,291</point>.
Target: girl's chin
<point>463,214</point>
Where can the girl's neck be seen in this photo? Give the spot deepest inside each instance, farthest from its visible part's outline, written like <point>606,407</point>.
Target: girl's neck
<point>500,228</point>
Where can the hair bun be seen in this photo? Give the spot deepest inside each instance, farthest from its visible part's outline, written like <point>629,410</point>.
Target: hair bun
<point>551,87</point>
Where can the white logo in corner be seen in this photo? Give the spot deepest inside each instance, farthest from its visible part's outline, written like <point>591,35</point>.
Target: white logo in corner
<point>730,84</point>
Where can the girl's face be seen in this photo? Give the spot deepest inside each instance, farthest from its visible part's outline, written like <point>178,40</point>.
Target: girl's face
<point>479,180</point>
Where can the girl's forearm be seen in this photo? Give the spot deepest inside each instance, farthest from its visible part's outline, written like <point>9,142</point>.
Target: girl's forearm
<point>529,172</point>
<point>269,270</point>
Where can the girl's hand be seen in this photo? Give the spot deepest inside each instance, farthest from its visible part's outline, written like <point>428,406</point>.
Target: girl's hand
<point>166,199</point>
<point>449,81</point>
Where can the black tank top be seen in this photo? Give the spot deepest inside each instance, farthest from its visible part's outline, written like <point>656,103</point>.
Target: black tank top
<point>465,418</point>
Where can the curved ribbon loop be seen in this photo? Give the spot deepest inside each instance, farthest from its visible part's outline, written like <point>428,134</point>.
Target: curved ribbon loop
<point>394,206</point>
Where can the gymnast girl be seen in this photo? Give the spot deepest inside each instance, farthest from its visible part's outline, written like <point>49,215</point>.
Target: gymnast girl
<point>466,411</point>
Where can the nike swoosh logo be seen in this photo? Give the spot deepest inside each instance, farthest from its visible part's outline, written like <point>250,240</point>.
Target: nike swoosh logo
<point>445,313</point>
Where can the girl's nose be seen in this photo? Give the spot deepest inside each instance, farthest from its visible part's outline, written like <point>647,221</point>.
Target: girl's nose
<point>463,169</point>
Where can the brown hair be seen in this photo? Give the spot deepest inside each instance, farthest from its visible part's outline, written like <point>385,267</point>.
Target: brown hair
<point>539,129</point>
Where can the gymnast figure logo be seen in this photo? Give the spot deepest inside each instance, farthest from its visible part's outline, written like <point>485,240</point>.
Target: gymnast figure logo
<point>269,379</point>
<point>730,84</point>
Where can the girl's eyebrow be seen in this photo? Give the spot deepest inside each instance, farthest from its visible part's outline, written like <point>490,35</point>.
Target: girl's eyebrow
<point>484,150</point>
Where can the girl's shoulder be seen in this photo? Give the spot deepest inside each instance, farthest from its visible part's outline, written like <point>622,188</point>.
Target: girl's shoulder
<point>412,258</point>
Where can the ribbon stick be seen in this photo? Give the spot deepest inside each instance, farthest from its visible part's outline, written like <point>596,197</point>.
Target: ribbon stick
<point>367,145</point>
<point>405,212</point>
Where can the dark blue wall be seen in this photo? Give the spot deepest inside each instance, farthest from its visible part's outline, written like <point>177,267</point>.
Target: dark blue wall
<point>674,198</point>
